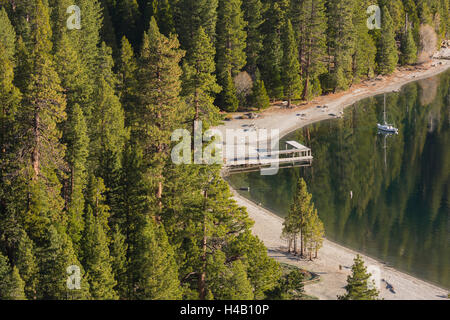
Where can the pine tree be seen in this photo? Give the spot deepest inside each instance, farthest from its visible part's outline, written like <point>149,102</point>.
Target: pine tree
<point>191,15</point>
<point>340,43</point>
<point>42,112</point>
<point>118,250</point>
<point>387,48</point>
<point>310,24</point>
<point>128,85</point>
<point>108,134</point>
<point>228,283</point>
<point>5,271</point>
<point>408,48</point>
<point>199,81</point>
<point>253,14</point>
<point>26,263</point>
<point>365,49</point>
<point>273,54</point>
<point>230,46</point>
<point>160,105</point>
<point>17,286</point>
<point>7,36</point>
<point>292,81</point>
<point>299,216</point>
<point>231,37</point>
<point>228,99</point>
<point>259,97</point>
<point>54,257</point>
<point>126,18</point>
<point>358,287</point>
<point>10,98</point>
<point>97,260</point>
<point>77,154</point>
<point>262,271</point>
<point>155,274</point>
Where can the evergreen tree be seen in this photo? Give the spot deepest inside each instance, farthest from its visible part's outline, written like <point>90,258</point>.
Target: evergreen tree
<point>358,286</point>
<point>126,19</point>
<point>253,14</point>
<point>77,154</point>
<point>97,260</point>
<point>387,48</point>
<point>300,217</point>
<point>231,37</point>
<point>262,271</point>
<point>199,83</point>
<point>10,97</point>
<point>340,43</point>
<point>191,15</point>
<point>154,271</point>
<point>5,280</point>
<point>230,46</point>
<point>365,49</point>
<point>228,283</point>
<point>42,112</point>
<point>54,257</point>
<point>118,251</point>
<point>292,82</point>
<point>228,99</point>
<point>272,55</point>
<point>17,291</point>
<point>26,263</point>
<point>408,48</point>
<point>259,97</point>
<point>8,36</point>
<point>310,24</point>
<point>160,105</point>
<point>128,85</point>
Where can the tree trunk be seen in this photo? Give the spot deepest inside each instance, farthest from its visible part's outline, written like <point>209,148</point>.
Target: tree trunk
<point>35,159</point>
<point>202,278</point>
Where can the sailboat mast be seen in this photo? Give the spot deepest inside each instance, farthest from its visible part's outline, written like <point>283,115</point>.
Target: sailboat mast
<point>384,113</point>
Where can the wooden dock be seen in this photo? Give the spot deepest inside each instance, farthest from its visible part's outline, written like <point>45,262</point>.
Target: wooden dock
<point>251,159</point>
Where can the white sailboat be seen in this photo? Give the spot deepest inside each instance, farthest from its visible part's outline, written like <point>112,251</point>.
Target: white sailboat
<point>387,128</point>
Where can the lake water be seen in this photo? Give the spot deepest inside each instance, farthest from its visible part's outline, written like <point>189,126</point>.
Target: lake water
<point>386,196</point>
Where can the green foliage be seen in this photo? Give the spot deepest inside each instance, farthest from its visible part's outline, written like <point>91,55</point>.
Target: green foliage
<point>272,55</point>
<point>387,49</point>
<point>97,260</point>
<point>408,48</point>
<point>259,97</point>
<point>228,99</point>
<point>253,14</point>
<point>154,271</point>
<point>310,24</point>
<point>54,257</point>
<point>8,36</point>
<point>199,81</point>
<point>292,81</point>
<point>358,286</point>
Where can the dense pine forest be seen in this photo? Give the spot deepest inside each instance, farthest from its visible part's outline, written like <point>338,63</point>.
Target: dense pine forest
<point>87,114</point>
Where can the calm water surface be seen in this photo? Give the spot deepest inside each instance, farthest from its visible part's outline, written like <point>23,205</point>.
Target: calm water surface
<point>386,196</point>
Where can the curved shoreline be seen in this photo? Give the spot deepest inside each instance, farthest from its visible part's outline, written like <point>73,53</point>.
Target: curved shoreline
<point>268,226</point>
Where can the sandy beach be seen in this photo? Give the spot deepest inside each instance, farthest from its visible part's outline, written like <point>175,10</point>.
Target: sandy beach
<point>394,285</point>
